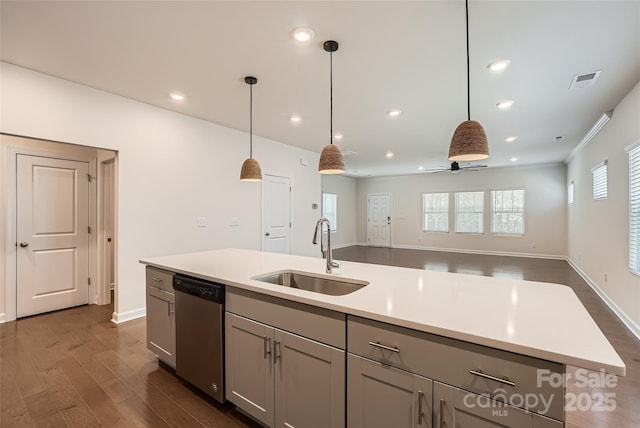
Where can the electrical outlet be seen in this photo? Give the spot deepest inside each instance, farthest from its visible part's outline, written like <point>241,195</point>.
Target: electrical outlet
<point>605,277</point>
<point>202,222</point>
<point>234,221</point>
<point>533,245</point>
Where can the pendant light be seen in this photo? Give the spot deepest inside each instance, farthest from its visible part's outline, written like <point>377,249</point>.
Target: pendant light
<point>331,159</point>
<point>469,141</point>
<point>250,167</point>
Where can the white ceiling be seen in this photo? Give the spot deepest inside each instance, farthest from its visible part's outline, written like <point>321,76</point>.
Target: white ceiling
<point>405,55</point>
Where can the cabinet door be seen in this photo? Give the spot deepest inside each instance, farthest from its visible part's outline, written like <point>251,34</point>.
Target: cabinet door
<point>381,396</point>
<point>309,384</point>
<point>249,368</point>
<point>161,325</point>
<point>461,409</point>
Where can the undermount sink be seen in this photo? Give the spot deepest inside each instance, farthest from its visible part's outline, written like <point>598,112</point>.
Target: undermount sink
<point>316,284</point>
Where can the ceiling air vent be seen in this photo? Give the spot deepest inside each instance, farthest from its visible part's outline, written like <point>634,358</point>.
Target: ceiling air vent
<point>584,80</point>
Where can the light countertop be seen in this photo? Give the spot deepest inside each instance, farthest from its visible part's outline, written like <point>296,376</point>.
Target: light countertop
<point>537,319</point>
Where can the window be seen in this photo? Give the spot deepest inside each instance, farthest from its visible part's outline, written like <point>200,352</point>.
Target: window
<point>570,193</point>
<point>435,209</point>
<point>600,181</point>
<point>330,209</point>
<point>469,212</point>
<point>507,212</point>
<point>634,209</point>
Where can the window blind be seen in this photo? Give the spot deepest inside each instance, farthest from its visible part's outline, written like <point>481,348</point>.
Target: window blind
<point>600,181</point>
<point>469,212</point>
<point>634,209</point>
<point>507,212</point>
<point>435,210</point>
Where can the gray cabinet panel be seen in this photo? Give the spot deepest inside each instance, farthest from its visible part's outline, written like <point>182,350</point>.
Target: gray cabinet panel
<point>309,383</point>
<point>452,362</point>
<point>161,321</point>
<point>381,396</point>
<point>463,409</point>
<point>249,367</point>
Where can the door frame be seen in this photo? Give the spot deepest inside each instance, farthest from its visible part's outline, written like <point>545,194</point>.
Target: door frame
<point>262,198</point>
<point>390,215</point>
<point>11,147</point>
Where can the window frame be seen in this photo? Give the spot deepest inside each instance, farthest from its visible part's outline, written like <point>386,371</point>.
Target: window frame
<point>334,224</point>
<point>481,212</point>
<point>523,212</point>
<point>424,212</point>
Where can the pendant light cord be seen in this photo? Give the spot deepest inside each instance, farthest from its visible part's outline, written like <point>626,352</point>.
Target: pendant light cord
<point>466,6</point>
<point>331,96</point>
<point>251,121</point>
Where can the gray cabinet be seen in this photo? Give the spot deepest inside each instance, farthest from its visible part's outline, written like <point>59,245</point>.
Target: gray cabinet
<point>458,408</point>
<point>381,396</point>
<point>283,379</point>
<point>161,321</point>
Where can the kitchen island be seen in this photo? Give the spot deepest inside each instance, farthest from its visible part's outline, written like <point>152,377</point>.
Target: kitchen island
<point>442,334</point>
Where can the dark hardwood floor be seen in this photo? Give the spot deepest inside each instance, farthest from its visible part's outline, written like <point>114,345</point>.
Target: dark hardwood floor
<point>74,368</point>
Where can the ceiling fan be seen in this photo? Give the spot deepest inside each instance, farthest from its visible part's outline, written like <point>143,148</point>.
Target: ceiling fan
<point>456,167</point>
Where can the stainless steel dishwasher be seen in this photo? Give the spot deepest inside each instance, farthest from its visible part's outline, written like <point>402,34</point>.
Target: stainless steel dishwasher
<point>200,334</point>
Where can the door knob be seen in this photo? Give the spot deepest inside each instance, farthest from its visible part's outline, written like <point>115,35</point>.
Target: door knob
<point>267,234</point>
<point>24,244</point>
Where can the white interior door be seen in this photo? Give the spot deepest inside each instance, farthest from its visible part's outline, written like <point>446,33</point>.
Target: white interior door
<point>276,214</point>
<point>379,220</point>
<point>52,221</point>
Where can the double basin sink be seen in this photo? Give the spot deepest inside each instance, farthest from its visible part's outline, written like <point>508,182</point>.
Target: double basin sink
<point>311,282</point>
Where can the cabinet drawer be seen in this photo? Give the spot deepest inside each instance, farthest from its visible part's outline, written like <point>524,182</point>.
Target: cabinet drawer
<point>160,279</point>
<point>315,323</point>
<point>505,376</point>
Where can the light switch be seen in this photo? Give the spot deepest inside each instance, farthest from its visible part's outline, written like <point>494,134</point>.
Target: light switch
<point>202,222</point>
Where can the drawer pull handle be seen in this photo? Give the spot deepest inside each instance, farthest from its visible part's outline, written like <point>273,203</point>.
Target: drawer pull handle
<point>497,379</point>
<point>385,347</point>
<point>153,278</point>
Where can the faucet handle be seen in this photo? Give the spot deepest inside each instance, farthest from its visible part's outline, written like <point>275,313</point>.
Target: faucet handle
<point>335,264</point>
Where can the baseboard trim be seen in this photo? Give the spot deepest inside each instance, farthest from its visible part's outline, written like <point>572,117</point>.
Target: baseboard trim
<point>3,318</point>
<point>483,252</point>
<point>631,325</point>
<point>118,318</point>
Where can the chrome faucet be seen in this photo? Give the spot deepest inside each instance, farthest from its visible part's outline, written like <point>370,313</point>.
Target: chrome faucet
<point>328,254</point>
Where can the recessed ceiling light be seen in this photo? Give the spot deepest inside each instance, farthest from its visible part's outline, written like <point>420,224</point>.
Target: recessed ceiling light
<point>177,96</point>
<point>514,159</point>
<point>394,113</point>
<point>504,105</point>
<point>510,139</point>
<point>388,155</point>
<point>302,34</point>
<point>420,168</point>
<point>295,118</point>
<point>338,136</point>
<point>498,66</point>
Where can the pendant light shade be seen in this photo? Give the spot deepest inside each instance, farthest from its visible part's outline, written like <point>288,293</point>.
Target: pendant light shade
<point>469,141</point>
<point>331,159</point>
<point>250,167</point>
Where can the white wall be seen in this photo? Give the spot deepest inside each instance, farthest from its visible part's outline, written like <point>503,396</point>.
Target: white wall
<point>545,212</point>
<point>598,230</point>
<point>171,169</point>
<point>345,188</point>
